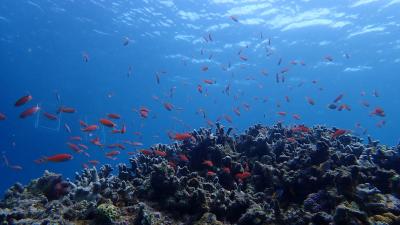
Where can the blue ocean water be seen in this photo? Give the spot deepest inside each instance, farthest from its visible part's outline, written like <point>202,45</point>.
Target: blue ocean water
<point>103,57</point>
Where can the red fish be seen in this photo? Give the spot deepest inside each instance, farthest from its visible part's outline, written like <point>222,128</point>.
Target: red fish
<point>83,146</point>
<point>301,128</point>
<point>146,152</point>
<point>90,128</point>
<point>243,58</point>
<point>23,100</point>
<point>74,147</point>
<point>310,101</point>
<point>242,176</point>
<point>200,88</point>
<point>207,81</point>
<point>29,112</point>
<point>338,98</point>
<point>344,106</point>
<point>183,158</point>
<point>378,112</point>
<point>83,124</point>
<point>338,132</point>
<point>281,113</point>
<point>296,116</point>
<point>93,162</point>
<point>210,173</point>
<point>114,116</point>
<point>144,112</point>
<point>236,111</point>
<point>123,129</point>
<point>112,153</point>
<point>136,143</point>
<point>55,158</point>
<point>50,116</point>
<point>64,109</point>
<point>96,141</point>
<point>107,123</point>
<point>160,153</point>
<point>75,138</point>
<point>228,118</point>
<point>168,106</point>
<point>2,116</point>
<point>226,170</point>
<point>208,163</point>
<point>182,136</point>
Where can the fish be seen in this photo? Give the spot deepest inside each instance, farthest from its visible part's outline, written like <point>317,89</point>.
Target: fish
<point>242,176</point>
<point>82,124</point>
<point>2,116</point>
<point>236,111</point>
<point>85,57</point>
<point>281,113</point>
<point>182,136</point>
<point>23,100</point>
<point>83,146</point>
<point>287,98</point>
<point>207,81</point>
<point>29,112</point>
<point>74,147</point>
<point>310,101</point>
<point>64,109</point>
<point>301,128</point>
<point>210,173</point>
<point>126,41</point>
<point>332,106</point>
<point>160,153</point>
<point>112,153</point>
<point>90,128</point>
<point>296,116</point>
<point>123,129</point>
<point>338,98</point>
<point>168,106</point>
<point>365,103</point>
<point>113,116</point>
<point>344,106</point>
<point>243,58</point>
<point>378,112</point>
<point>208,163</point>
<point>96,141</point>
<point>93,162</point>
<point>338,132</point>
<point>50,116</point>
<point>204,68</point>
<point>144,112</point>
<point>183,157</point>
<point>75,138</point>
<point>328,58</point>
<point>200,88</point>
<point>67,128</point>
<point>158,78</point>
<point>234,18</point>
<point>107,123</point>
<point>63,157</point>
<point>228,118</point>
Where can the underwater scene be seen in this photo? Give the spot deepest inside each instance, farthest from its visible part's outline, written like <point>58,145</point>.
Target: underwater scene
<point>203,112</point>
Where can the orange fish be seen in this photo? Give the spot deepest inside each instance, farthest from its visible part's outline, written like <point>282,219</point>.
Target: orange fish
<point>23,100</point>
<point>114,116</point>
<point>90,128</point>
<point>344,106</point>
<point>107,123</point>
<point>29,112</point>
<point>96,141</point>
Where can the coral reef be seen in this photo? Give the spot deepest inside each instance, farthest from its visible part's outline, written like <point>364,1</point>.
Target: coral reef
<point>267,175</point>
